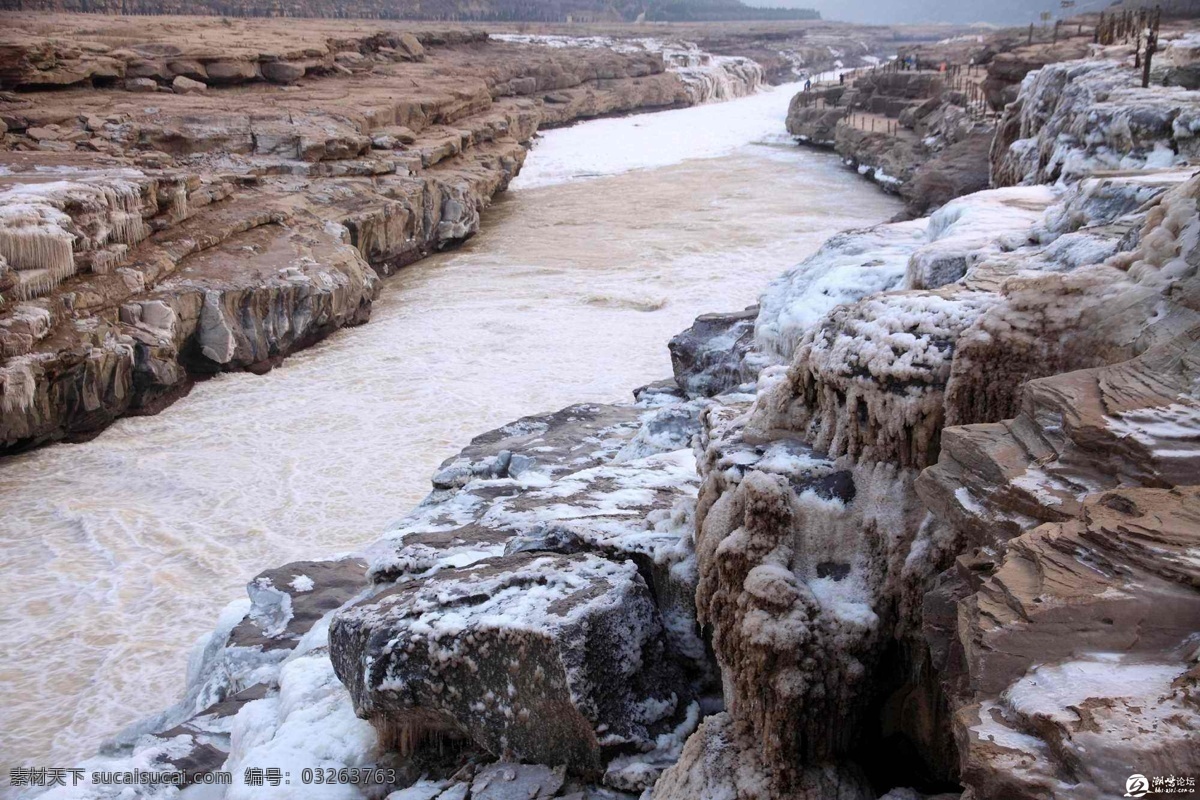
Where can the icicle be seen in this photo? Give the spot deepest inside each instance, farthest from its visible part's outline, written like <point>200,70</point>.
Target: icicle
<point>179,207</point>
<point>40,245</point>
<point>17,387</point>
<point>33,283</point>
<point>106,260</point>
<point>127,228</point>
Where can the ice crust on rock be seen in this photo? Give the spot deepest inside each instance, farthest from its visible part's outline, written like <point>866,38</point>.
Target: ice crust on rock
<point>956,506</point>
<point>40,240</point>
<point>1033,362</point>
<point>846,268</point>
<point>543,658</point>
<point>708,77</point>
<point>1076,118</point>
<point>594,506</point>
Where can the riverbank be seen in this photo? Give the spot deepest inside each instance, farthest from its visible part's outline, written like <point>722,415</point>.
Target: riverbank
<point>926,500</point>
<point>321,454</point>
<point>222,227</point>
<point>933,497</point>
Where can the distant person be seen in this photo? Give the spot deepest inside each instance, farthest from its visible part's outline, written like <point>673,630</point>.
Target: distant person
<point>807,85</point>
<point>842,78</point>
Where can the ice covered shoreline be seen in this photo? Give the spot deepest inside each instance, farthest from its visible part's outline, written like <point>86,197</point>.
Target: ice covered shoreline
<point>275,461</point>
<point>937,488</point>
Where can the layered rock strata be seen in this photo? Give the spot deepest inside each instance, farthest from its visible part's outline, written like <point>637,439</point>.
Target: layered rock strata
<point>1016,428</point>
<point>931,534</point>
<point>148,241</point>
<point>923,126</point>
<point>923,134</point>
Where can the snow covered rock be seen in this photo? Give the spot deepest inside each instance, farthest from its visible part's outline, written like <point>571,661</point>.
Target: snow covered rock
<point>837,579</point>
<point>847,267</point>
<point>574,438</point>
<point>1079,665</point>
<point>553,659</point>
<point>869,380</point>
<point>966,230</point>
<point>1077,118</point>
<point>1131,423</point>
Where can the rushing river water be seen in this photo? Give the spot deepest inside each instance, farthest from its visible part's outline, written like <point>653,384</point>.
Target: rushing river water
<point>120,552</point>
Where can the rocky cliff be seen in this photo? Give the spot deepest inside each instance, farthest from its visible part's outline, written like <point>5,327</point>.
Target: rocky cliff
<point>922,125</point>
<point>182,206</point>
<point>923,134</point>
<point>923,523</point>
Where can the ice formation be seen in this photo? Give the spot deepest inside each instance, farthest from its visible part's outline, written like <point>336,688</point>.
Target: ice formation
<point>708,77</point>
<point>955,511</point>
<point>46,227</point>
<point>1076,118</point>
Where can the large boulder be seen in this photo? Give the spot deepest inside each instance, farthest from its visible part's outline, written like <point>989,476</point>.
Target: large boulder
<point>282,71</point>
<point>708,357</point>
<point>546,658</point>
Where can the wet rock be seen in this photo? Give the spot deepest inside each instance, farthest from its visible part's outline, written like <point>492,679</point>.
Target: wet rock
<point>575,438</point>
<point>287,601</point>
<point>708,357</point>
<point>516,782</point>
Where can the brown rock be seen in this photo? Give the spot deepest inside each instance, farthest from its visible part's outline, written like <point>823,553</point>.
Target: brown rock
<point>282,71</point>
<point>182,85</point>
<point>140,85</point>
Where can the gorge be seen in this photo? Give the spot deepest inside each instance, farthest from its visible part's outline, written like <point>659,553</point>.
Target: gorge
<point>920,521</point>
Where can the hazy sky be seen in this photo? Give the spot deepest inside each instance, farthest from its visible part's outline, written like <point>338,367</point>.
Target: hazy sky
<point>1008,12</point>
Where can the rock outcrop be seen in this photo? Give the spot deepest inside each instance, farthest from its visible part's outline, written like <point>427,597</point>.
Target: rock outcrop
<point>923,134</point>
<point>944,525</point>
<point>147,243</point>
<point>922,126</point>
<point>538,606</point>
<point>1077,118</point>
<point>945,544</point>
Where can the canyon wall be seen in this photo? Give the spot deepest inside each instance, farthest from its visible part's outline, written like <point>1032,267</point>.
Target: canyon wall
<point>923,523</point>
<point>232,197</point>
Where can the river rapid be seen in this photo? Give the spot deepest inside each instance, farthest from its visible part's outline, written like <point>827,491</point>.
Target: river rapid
<point>122,551</point>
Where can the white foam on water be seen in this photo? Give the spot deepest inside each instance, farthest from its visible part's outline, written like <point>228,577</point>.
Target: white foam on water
<point>649,141</point>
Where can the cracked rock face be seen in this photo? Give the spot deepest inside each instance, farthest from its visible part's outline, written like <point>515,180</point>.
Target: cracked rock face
<point>1079,652</point>
<point>949,541</point>
<point>552,659</point>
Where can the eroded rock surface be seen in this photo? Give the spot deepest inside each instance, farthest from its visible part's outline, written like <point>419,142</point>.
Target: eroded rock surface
<point>148,242</point>
<point>944,525</point>
<point>542,658</point>
<point>944,546</point>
